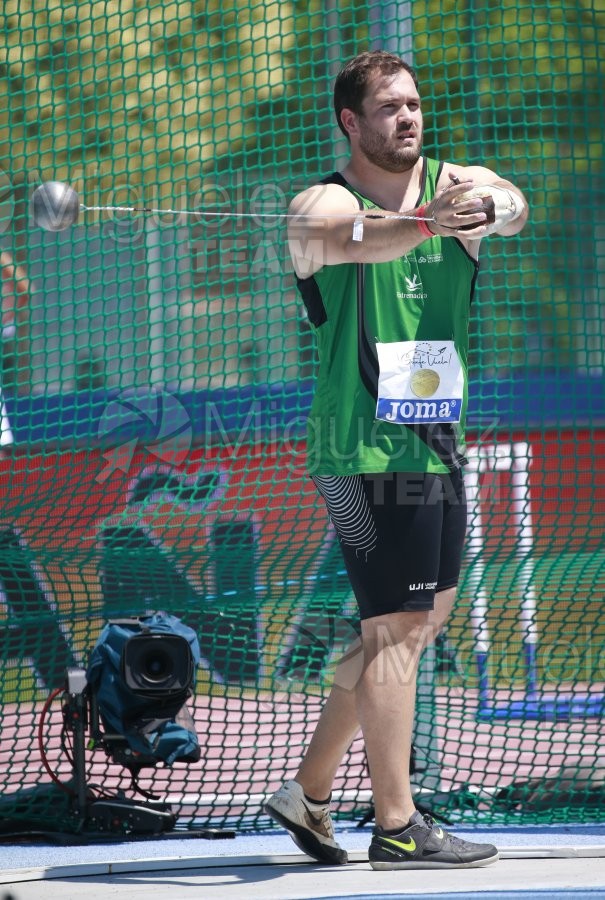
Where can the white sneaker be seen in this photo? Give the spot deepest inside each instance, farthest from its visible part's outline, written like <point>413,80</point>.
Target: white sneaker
<point>308,824</point>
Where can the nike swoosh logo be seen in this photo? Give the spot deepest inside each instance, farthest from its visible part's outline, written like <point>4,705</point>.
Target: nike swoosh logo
<point>439,833</point>
<point>313,818</point>
<point>316,823</point>
<point>409,846</point>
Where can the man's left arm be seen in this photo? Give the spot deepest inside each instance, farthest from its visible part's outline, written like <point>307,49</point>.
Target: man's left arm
<point>520,208</point>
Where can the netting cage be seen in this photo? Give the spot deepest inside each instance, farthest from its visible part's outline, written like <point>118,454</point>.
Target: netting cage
<point>158,368</point>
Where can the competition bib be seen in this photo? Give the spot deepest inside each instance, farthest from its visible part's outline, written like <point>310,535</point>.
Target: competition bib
<point>420,382</point>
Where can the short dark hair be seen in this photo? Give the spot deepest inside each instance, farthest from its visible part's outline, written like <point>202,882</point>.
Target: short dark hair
<point>352,81</point>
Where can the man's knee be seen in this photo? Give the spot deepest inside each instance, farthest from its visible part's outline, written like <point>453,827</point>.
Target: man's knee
<point>405,630</point>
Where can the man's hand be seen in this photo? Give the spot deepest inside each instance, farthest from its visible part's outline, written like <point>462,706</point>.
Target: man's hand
<point>504,207</point>
<point>456,208</point>
<point>455,214</point>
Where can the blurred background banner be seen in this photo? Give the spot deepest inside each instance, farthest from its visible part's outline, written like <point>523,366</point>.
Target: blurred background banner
<point>157,371</point>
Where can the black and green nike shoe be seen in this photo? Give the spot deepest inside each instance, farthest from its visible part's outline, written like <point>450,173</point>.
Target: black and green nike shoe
<point>424,845</point>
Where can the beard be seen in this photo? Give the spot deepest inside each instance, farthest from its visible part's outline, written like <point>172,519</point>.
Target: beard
<point>391,157</point>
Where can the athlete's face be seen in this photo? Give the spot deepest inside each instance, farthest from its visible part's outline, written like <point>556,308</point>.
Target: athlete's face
<point>389,130</point>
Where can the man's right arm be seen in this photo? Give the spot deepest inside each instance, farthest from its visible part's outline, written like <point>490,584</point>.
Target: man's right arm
<point>322,229</point>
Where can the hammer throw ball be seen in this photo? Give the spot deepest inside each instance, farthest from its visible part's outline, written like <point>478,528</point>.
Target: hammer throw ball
<point>55,206</point>
<point>489,207</point>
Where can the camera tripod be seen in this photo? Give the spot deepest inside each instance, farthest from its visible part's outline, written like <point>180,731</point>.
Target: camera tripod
<point>113,815</point>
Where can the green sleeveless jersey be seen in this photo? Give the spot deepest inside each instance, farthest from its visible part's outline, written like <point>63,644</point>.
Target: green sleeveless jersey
<point>422,296</point>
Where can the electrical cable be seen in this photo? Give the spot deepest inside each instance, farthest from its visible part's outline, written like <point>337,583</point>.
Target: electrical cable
<point>41,747</point>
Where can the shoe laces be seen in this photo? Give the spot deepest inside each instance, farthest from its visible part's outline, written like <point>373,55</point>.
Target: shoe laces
<point>428,819</point>
<point>456,841</point>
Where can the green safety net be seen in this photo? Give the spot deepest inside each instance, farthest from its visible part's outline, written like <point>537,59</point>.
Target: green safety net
<point>157,370</point>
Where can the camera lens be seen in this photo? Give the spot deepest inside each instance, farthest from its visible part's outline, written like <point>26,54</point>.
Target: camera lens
<point>158,664</point>
<point>156,667</point>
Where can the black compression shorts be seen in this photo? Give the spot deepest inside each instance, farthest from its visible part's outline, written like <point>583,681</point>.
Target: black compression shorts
<point>401,534</point>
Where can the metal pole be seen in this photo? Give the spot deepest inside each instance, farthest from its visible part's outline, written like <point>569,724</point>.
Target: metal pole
<point>153,253</point>
<point>335,60</point>
<point>391,28</point>
<point>474,148</point>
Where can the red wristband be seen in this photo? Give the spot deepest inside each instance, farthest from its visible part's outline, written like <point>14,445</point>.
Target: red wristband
<point>423,228</point>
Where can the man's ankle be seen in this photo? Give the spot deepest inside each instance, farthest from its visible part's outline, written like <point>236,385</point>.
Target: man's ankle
<point>394,823</point>
<point>313,793</point>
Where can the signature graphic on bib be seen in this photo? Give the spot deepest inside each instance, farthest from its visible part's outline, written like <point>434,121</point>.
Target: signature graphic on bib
<point>419,382</point>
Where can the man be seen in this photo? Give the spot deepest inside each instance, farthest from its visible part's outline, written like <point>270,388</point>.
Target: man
<point>385,255</point>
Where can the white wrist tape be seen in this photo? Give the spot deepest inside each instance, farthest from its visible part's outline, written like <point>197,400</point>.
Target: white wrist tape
<point>509,205</point>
